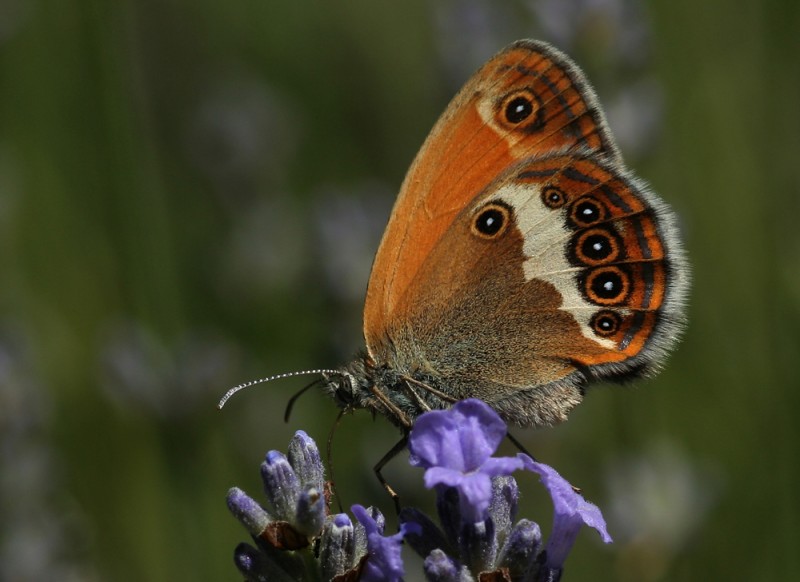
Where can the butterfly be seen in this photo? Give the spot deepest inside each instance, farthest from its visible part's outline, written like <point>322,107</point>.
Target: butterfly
<point>522,260</point>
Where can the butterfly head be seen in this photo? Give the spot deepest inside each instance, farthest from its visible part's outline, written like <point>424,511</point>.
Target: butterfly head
<point>344,387</point>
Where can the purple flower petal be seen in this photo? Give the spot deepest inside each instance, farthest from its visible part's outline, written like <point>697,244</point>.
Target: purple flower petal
<point>500,466</point>
<point>481,431</point>
<point>571,512</point>
<point>304,458</point>
<point>475,495</point>
<point>366,520</point>
<point>384,562</point>
<point>432,441</point>
<point>455,447</point>
<point>461,438</point>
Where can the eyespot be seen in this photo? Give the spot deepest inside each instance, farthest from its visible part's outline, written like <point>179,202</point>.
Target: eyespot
<point>607,286</point>
<point>605,323</point>
<point>596,246</point>
<point>491,221</point>
<point>587,211</point>
<point>519,108</point>
<point>553,197</point>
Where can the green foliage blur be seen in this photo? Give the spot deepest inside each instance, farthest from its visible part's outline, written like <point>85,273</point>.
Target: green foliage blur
<point>190,197</point>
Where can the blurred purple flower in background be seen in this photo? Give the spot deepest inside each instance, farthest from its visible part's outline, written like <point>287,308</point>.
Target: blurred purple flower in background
<point>242,135</point>
<point>617,27</point>
<point>610,39</point>
<point>470,31</point>
<point>40,538</point>
<point>658,501</point>
<point>139,369</point>
<point>349,223</point>
<point>256,260</point>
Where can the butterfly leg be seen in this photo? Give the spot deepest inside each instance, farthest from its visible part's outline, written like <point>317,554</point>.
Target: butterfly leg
<point>393,452</point>
<point>519,446</point>
<point>445,397</point>
<point>398,414</point>
<point>416,397</point>
<point>329,455</point>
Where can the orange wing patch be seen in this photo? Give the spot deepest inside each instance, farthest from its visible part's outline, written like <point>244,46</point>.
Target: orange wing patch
<point>529,100</point>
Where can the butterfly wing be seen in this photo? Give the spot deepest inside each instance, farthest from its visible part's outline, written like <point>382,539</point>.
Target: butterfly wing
<point>521,257</point>
<point>565,268</point>
<point>473,141</point>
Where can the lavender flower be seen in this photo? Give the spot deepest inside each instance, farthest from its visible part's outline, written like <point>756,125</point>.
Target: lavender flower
<point>167,380</point>
<point>384,562</point>
<point>40,536</point>
<point>572,512</point>
<point>476,499</point>
<point>455,447</point>
<point>296,538</point>
<point>477,502</point>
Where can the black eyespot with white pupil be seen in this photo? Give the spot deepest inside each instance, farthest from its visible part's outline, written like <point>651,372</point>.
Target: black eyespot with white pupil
<point>606,323</point>
<point>553,198</point>
<point>519,109</point>
<point>597,247</point>
<point>491,220</point>
<point>606,285</point>
<point>588,212</point>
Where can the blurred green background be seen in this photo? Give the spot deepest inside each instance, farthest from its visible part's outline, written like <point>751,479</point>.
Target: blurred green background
<point>191,194</point>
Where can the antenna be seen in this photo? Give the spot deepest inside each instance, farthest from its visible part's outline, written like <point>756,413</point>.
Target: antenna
<point>236,389</point>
